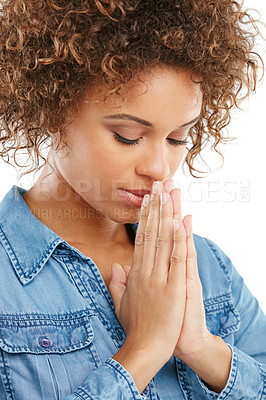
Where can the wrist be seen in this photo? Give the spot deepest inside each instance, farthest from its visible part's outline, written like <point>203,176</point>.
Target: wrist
<point>212,363</point>
<point>153,349</point>
<point>141,361</point>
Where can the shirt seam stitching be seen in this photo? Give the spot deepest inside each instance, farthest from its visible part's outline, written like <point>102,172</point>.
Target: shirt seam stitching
<point>7,384</point>
<point>221,263</point>
<point>109,362</point>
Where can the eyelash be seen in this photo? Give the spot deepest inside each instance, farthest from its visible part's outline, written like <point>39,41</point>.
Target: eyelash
<point>128,142</point>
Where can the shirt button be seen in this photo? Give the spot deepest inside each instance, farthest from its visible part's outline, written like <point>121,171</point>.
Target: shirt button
<point>146,390</point>
<point>44,342</point>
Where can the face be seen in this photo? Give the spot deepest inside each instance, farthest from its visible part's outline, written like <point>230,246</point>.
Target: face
<point>116,147</point>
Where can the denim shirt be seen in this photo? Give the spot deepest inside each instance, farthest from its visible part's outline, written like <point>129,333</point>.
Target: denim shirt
<point>59,331</point>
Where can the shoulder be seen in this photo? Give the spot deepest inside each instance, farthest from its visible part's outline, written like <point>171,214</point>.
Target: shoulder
<point>209,250</point>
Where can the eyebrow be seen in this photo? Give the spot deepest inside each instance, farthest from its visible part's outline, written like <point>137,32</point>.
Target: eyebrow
<point>129,117</point>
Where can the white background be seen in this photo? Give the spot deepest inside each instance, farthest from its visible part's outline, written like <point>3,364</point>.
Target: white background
<point>228,206</point>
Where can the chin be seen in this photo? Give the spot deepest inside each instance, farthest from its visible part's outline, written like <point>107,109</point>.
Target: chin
<point>124,216</point>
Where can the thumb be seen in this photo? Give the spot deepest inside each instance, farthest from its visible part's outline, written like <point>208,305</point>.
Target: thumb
<point>127,269</point>
<point>117,285</point>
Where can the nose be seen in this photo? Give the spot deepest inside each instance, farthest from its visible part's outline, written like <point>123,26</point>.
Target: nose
<point>155,163</point>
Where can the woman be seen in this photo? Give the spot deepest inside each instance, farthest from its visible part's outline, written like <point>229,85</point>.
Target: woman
<point>105,292</point>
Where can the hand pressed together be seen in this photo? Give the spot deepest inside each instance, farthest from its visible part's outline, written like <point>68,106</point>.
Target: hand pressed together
<point>160,296</point>
<point>158,300</point>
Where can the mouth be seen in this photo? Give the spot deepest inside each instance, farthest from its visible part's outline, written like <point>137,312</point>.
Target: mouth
<point>133,197</point>
<point>138,192</point>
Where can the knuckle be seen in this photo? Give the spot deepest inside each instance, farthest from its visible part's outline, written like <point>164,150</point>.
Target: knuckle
<point>139,239</point>
<point>161,242</point>
<point>154,201</point>
<point>148,234</point>
<point>176,259</point>
<point>141,279</point>
<point>180,239</point>
<point>164,213</point>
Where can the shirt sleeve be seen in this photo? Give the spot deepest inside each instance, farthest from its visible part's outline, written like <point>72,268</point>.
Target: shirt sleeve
<point>110,381</point>
<point>247,379</point>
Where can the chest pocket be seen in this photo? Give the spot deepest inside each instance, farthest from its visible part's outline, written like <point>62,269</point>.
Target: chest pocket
<point>39,334</point>
<point>222,318</point>
<point>52,353</point>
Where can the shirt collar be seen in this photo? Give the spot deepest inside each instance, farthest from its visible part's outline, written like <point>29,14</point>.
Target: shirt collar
<point>28,242</point>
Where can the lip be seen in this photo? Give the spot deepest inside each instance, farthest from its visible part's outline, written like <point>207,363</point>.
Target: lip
<point>133,199</point>
<point>138,192</point>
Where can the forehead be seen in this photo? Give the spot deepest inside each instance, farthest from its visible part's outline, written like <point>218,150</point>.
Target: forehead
<point>158,95</point>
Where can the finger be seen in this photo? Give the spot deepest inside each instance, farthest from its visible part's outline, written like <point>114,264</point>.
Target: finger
<point>118,274</point>
<point>193,283</point>
<point>192,267</point>
<point>127,269</point>
<point>164,242</point>
<point>139,238</point>
<point>117,285</point>
<point>177,270</point>
<point>151,230</point>
<point>168,185</point>
<point>177,208</point>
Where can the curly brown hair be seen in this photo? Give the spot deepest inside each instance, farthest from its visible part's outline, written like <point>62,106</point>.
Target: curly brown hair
<point>51,52</point>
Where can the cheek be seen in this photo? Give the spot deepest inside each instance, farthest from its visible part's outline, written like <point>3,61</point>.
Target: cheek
<point>177,158</point>
<point>103,164</point>
<point>114,171</point>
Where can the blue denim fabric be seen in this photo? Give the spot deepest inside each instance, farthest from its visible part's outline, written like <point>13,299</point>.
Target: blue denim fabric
<point>59,331</point>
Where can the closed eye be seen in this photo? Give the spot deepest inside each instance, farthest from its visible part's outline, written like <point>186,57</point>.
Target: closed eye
<point>123,140</point>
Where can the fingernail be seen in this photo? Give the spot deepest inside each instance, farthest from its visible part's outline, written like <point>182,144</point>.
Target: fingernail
<point>146,200</point>
<point>176,224</point>
<point>164,197</point>
<point>155,187</point>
